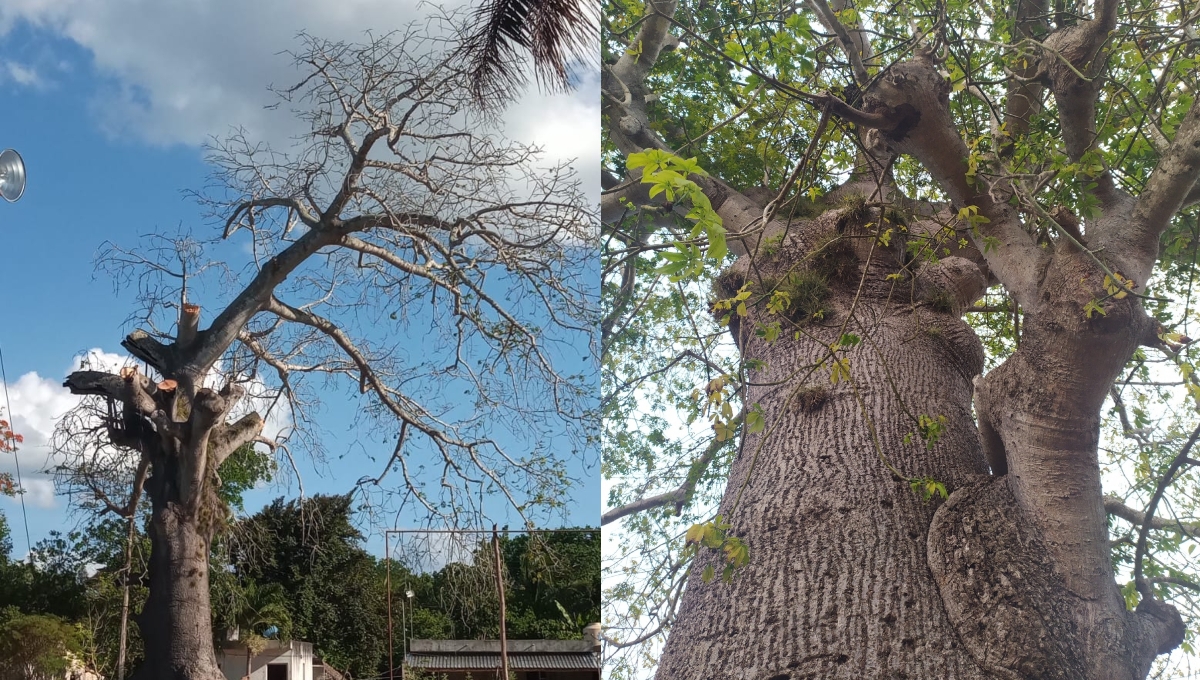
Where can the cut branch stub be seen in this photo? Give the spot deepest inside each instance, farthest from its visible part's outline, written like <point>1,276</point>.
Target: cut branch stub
<point>189,323</point>
<point>95,383</point>
<point>142,346</point>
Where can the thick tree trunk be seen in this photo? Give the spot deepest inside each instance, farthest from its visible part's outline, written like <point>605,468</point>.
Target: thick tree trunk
<point>176,622</point>
<point>183,438</point>
<point>851,573</point>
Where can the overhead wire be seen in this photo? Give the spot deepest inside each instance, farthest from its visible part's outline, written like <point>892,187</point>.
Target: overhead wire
<point>16,458</point>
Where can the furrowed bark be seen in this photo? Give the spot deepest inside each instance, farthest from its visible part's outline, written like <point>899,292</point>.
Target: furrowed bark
<point>176,621</point>
<point>838,584</point>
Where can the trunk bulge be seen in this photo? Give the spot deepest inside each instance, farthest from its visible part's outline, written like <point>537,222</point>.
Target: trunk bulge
<point>838,584</point>
<point>853,574</point>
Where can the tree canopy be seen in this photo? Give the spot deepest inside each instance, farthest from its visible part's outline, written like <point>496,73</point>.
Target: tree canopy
<point>1013,135</point>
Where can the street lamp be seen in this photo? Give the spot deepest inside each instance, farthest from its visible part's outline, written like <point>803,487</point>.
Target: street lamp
<point>410,595</point>
<point>12,175</point>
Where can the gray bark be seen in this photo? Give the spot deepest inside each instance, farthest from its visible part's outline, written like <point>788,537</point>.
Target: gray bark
<point>176,621</point>
<point>838,584</point>
<point>851,574</point>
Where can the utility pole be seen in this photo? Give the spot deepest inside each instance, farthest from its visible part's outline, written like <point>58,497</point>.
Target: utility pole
<point>500,590</point>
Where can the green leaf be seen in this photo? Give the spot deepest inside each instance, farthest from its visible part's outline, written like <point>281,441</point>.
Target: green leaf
<point>849,340</point>
<point>840,370</point>
<point>755,421</point>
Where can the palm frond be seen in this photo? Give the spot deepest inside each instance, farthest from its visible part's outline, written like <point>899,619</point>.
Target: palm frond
<point>553,32</point>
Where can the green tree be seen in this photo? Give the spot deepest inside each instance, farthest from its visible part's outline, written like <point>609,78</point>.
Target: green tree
<point>52,582</point>
<point>552,589</point>
<point>36,646</point>
<point>311,551</point>
<point>898,380</point>
<point>554,584</point>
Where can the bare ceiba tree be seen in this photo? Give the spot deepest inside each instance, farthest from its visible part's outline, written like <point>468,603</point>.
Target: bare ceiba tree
<point>398,248</point>
<point>874,169</point>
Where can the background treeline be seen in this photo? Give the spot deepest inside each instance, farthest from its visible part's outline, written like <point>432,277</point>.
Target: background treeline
<point>300,570</point>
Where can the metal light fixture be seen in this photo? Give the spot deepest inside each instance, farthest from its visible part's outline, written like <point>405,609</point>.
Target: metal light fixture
<point>12,175</point>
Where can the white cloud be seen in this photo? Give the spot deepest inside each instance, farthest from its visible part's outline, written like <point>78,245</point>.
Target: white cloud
<point>38,403</point>
<point>567,127</point>
<point>180,72</point>
<point>430,552</point>
<point>39,491</point>
<point>21,74</point>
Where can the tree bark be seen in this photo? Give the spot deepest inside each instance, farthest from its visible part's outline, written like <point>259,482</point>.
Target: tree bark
<point>838,584</point>
<point>851,573</point>
<point>176,622</point>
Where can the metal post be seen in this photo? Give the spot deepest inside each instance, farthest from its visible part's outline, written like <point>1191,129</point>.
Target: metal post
<point>500,590</point>
<point>125,597</point>
<point>388,556</point>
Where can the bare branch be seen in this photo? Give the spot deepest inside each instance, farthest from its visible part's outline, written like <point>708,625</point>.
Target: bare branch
<point>680,496</point>
<point>1113,505</point>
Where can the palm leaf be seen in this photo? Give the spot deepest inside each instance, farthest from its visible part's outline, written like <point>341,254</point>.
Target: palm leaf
<point>553,32</point>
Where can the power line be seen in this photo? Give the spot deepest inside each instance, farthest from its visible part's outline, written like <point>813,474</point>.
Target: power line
<point>16,458</point>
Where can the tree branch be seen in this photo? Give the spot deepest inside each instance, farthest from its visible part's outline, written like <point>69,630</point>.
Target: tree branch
<point>1113,505</point>
<point>1024,96</point>
<point>215,340</point>
<point>143,346</point>
<point>679,496</point>
<point>229,438</point>
<point>852,48</point>
<point>914,92</point>
<point>1170,186</point>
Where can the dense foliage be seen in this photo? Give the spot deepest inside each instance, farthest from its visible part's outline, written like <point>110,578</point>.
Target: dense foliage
<point>300,569</point>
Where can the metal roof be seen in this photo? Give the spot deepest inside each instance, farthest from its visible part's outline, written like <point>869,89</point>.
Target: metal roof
<point>493,646</point>
<point>524,662</point>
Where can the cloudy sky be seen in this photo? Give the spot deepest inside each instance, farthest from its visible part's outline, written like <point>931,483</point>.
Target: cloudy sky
<point>109,104</point>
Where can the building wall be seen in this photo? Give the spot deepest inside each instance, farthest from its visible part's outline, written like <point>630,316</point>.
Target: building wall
<point>297,655</point>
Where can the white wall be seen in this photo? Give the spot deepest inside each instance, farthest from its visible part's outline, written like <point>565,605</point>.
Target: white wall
<point>297,655</point>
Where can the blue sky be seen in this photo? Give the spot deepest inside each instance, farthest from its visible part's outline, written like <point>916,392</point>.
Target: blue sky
<point>109,104</point>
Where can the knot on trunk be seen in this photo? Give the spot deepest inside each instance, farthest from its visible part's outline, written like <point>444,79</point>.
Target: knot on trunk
<point>1000,587</point>
<point>952,284</point>
<point>1014,613</point>
<point>1161,624</point>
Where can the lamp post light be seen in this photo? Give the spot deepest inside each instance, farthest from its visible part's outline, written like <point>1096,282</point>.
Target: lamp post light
<point>12,175</point>
<point>410,595</point>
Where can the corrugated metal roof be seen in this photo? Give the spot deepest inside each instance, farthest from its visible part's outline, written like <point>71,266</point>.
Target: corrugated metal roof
<point>523,662</point>
<point>419,646</point>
